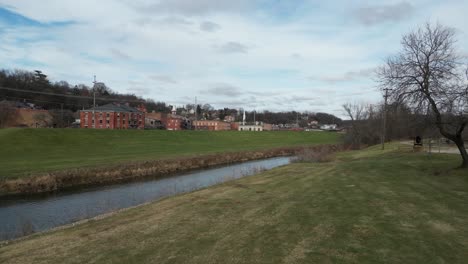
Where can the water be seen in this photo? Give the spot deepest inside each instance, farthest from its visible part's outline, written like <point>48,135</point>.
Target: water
<point>22,216</point>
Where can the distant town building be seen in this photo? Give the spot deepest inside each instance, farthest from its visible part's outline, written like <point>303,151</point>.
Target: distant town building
<point>267,127</point>
<point>229,118</point>
<point>235,126</point>
<point>153,121</point>
<point>173,122</point>
<point>251,127</point>
<point>211,125</point>
<point>328,127</point>
<point>112,116</point>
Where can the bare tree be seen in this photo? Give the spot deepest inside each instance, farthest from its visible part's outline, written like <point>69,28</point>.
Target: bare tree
<point>7,114</point>
<point>358,114</point>
<point>427,73</point>
<point>41,120</point>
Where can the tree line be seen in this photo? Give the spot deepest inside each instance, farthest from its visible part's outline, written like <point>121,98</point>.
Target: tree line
<point>62,99</point>
<point>35,87</point>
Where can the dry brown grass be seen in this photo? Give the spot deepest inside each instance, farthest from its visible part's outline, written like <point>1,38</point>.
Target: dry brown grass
<point>54,181</point>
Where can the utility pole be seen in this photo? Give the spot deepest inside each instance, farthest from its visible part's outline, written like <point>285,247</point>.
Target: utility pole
<point>297,119</point>
<point>384,121</point>
<point>196,109</point>
<point>94,92</point>
<point>94,101</point>
<point>255,123</point>
<point>61,115</point>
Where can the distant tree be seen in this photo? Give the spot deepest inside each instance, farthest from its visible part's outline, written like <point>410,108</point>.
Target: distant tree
<point>199,111</point>
<point>101,89</point>
<point>358,115</point>
<point>7,114</point>
<point>41,120</point>
<point>61,118</point>
<point>324,118</point>
<point>426,73</point>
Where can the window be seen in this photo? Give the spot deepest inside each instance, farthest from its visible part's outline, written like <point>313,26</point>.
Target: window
<point>107,114</point>
<point>100,121</point>
<point>107,121</point>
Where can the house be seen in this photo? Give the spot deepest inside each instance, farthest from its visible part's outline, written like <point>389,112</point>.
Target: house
<point>229,118</point>
<point>212,125</point>
<point>169,121</point>
<point>154,120</point>
<point>112,116</point>
<point>151,123</point>
<point>267,127</point>
<point>329,127</point>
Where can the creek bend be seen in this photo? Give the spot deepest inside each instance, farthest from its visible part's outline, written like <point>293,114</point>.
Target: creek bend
<point>23,215</point>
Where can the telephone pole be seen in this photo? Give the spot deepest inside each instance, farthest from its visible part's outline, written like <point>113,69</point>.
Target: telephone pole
<point>196,109</point>
<point>94,101</point>
<point>384,121</point>
<point>61,115</point>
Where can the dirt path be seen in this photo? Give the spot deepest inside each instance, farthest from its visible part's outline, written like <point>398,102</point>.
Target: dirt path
<point>444,148</point>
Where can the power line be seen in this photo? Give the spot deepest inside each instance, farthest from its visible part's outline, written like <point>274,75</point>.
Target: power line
<point>42,101</point>
<point>69,95</point>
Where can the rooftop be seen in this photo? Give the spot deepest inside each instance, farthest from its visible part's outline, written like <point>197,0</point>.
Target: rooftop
<point>113,108</point>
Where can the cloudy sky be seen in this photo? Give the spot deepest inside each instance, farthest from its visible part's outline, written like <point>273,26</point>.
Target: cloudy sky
<point>257,54</point>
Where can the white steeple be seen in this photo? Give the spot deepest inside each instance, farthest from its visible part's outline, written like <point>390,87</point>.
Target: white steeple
<point>243,119</point>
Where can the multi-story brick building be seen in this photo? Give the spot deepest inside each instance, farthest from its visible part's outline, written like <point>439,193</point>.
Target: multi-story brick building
<point>112,116</point>
<point>173,123</point>
<point>211,125</point>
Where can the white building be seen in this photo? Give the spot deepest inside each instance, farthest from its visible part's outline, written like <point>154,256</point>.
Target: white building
<point>328,127</point>
<point>252,127</point>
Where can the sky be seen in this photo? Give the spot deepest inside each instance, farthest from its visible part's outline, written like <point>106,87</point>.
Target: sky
<point>277,55</point>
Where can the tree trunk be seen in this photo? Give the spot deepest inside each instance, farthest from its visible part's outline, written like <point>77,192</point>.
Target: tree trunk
<point>461,147</point>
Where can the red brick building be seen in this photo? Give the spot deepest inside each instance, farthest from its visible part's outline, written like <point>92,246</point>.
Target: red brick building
<point>173,123</point>
<point>169,121</point>
<point>112,116</point>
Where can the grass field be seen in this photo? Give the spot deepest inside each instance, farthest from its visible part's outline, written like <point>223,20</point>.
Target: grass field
<point>26,151</point>
<point>363,207</point>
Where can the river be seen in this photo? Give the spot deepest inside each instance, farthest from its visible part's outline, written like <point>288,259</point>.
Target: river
<point>20,216</point>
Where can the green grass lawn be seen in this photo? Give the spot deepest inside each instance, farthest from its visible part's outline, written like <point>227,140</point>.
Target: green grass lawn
<point>26,151</point>
<point>364,207</point>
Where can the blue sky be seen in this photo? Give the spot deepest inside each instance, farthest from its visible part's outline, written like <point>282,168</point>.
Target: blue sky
<point>256,54</point>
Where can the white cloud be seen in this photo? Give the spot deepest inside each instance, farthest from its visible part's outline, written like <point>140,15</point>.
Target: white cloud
<point>257,58</point>
<point>375,14</point>
<point>232,47</point>
<point>209,26</point>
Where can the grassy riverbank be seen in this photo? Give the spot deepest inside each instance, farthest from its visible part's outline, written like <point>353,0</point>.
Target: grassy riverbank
<point>29,151</point>
<point>363,207</point>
